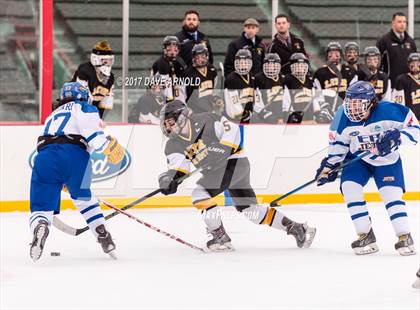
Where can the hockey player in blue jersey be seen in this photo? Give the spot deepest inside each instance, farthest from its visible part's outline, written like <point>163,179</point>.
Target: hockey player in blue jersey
<point>364,124</point>
<point>71,133</point>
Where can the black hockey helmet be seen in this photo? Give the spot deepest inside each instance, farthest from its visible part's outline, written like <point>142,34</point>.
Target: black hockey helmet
<point>168,40</point>
<point>370,53</point>
<point>348,48</point>
<point>413,57</point>
<point>169,52</point>
<point>200,49</point>
<point>271,65</point>
<point>173,117</point>
<point>333,46</point>
<point>298,58</point>
<point>413,68</point>
<point>243,61</point>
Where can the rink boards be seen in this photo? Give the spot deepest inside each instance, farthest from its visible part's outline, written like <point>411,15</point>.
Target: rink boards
<point>282,157</point>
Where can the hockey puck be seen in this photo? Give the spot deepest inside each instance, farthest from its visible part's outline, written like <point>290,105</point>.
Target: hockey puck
<point>55,254</point>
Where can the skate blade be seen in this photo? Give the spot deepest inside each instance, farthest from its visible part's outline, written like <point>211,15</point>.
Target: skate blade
<point>36,248</point>
<point>226,247</point>
<point>416,284</point>
<point>112,254</point>
<point>368,249</point>
<point>310,235</point>
<point>407,251</point>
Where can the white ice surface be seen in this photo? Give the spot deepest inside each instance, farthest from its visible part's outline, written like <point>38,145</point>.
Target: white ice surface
<point>266,271</point>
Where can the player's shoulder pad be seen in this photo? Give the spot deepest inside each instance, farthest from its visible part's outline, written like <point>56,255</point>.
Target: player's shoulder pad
<point>389,111</point>
<point>340,121</point>
<point>172,146</point>
<point>87,107</point>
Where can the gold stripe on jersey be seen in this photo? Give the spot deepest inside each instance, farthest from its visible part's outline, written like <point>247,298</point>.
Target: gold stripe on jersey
<point>230,144</point>
<point>205,204</point>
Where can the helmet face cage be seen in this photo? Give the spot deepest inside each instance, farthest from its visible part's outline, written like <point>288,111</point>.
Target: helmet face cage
<point>172,121</point>
<point>351,53</point>
<point>372,62</point>
<point>356,109</point>
<point>414,63</point>
<point>171,50</point>
<point>299,69</point>
<point>243,65</point>
<point>103,63</point>
<point>271,69</point>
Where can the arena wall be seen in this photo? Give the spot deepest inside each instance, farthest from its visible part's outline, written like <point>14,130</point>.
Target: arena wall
<point>282,157</point>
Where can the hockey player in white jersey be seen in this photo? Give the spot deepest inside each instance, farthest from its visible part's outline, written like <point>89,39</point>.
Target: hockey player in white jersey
<point>364,124</point>
<point>72,131</point>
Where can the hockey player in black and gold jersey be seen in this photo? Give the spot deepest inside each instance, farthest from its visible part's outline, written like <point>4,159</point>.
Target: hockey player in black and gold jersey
<point>269,83</point>
<point>96,75</point>
<point>202,79</point>
<point>329,77</point>
<point>370,72</point>
<point>351,57</point>
<point>301,101</point>
<point>241,97</point>
<point>212,143</point>
<point>171,67</point>
<point>407,85</point>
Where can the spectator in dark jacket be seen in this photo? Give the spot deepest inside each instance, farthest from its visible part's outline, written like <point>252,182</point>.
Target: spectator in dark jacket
<point>285,43</point>
<point>395,47</point>
<point>190,36</point>
<point>250,41</point>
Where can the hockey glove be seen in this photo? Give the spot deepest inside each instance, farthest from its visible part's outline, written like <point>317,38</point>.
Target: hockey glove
<point>216,153</point>
<point>114,151</point>
<point>324,116</point>
<point>169,181</point>
<point>388,142</point>
<point>324,174</point>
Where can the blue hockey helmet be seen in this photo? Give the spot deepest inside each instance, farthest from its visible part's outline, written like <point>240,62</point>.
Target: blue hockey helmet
<point>72,91</point>
<point>359,99</point>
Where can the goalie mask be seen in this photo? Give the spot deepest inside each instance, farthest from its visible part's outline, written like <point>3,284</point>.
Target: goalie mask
<point>299,65</point>
<point>351,52</point>
<point>200,55</point>
<point>372,58</point>
<point>102,57</point>
<point>173,118</point>
<point>243,61</point>
<point>360,97</point>
<point>272,65</point>
<point>413,62</point>
<point>170,47</point>
<point>333,52</point>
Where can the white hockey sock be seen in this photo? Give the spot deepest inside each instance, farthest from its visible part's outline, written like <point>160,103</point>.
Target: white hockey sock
<point>38,216</point>
<point>356,204</point>
<point>263,214</point>
<point>392,198</point>
<point>212,217</point>
<point>92,213</point>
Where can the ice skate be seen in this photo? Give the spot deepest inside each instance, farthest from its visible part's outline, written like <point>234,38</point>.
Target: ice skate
<point>416,283</point>
<point>41,232</point>
<point>220,242</point>
<point>366,244</point>
<point>105,239</point>
<point>405,245</point>
<point>303,234</point>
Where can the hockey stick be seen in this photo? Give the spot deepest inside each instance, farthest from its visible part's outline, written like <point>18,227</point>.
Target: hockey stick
<point>162,232</point>
<point>59,224</point>
<point>337,72</point>
<point>222,80</point>
<point>274,202</point>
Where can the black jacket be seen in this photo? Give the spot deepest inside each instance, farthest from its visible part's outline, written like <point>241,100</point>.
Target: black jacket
<point>257,51</point>
<point>187,43</point>
<point>395,51</point>
<point>285,51</point>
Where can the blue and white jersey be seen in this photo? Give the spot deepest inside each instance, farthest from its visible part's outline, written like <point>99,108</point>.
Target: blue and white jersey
<point>356,137</point>
<point>77,118</point>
